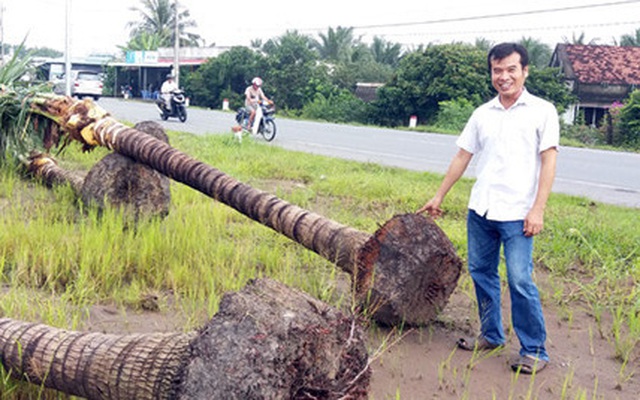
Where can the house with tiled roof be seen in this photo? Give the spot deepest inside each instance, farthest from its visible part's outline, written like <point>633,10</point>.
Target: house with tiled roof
<point>598,76</point>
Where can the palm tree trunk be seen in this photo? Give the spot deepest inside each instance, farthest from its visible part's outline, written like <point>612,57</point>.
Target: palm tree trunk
<point>94,365</point>
<point>47,168</point>
<point>404,273</point>
<point>267,342</point>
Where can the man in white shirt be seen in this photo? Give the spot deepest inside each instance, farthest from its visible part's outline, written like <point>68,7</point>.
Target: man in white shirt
<point>167,87</point>
<point>515,139</point>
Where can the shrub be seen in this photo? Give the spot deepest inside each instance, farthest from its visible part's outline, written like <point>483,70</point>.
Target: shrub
<point>630,122</point>
<point>339,107</point>
<point>454,114</point>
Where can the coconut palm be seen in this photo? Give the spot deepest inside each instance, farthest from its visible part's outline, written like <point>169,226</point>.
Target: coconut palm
<point>158,17</point>
<point>404,273</point>
<point>631,39</point>
<point>539,52</point>
<point>336,45</point>
<point>385,52</point>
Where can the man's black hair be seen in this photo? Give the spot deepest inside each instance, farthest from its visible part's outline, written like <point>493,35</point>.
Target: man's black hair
<point>502,50</point>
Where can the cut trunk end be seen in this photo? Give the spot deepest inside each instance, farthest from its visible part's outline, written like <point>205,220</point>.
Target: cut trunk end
<point>406,271</point>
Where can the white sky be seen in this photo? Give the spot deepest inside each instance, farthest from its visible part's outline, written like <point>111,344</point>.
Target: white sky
<point>98,26</point>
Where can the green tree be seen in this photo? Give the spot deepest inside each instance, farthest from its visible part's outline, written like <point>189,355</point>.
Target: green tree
<point>483,44</point>
<point>630,121</point>
<point>158,18</point>
<point>145,41</point>
<point>224,77</point>
<point>549,84</point>
<point>291,70</point>
<point>631,39</point>
<point>336,45</point>
<point>425,78</point>
<point>539,53</point>
<point>580,39</point>
<point>385,52</point>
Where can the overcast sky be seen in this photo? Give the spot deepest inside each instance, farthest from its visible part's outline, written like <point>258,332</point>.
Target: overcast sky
<point>99,26</point>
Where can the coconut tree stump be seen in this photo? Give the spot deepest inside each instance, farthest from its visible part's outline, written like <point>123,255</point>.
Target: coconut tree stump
<point>122,182</point>
<point>267,341</point>
<point>115,181</point>
<point>409,266</point>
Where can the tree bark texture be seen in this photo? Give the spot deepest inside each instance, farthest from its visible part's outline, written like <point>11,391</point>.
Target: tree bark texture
<point>335,242</point>
<point>266,342</point>
<point>431,277</point>
<point>45,167</point>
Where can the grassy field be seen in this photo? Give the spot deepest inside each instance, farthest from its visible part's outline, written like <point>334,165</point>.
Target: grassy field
<point>58,258</point>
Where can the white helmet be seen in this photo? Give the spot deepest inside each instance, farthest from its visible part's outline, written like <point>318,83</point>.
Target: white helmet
<point>256,81</point>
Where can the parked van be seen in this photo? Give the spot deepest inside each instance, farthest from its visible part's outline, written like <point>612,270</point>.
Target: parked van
<point>84,83</point>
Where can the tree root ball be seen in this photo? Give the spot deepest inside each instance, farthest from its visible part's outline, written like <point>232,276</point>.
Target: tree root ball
<point>121,182</point>
<point>269,341</point>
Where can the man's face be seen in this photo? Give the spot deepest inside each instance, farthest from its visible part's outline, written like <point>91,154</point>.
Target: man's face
<point>508,76</point>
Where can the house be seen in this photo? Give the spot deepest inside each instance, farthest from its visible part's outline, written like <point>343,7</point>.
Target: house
<point>367,92</point>
<point>144,71</point>
<point>598,76</point>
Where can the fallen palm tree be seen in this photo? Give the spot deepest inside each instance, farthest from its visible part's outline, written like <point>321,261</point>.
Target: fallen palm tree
<point>116,180</point>
<point>403,273</point>
<point>267,341</point>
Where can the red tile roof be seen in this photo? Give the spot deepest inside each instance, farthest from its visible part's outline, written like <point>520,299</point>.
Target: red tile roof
<point>614,65</point>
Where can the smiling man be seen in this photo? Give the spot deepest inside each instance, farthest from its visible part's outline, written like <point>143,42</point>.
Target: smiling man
<point>515,139</point>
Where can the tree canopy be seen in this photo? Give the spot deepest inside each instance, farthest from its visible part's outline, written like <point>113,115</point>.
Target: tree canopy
<point>157,26</point>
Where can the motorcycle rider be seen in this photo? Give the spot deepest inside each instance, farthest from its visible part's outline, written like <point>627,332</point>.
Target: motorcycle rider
<point>253,95</point>
<point>168,86</point>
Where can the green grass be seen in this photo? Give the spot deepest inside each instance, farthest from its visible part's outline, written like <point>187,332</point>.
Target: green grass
<point>57,258</point>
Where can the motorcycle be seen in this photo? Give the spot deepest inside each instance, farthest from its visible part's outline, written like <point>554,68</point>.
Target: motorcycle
<point>264,121</point>
<point>178,106</point>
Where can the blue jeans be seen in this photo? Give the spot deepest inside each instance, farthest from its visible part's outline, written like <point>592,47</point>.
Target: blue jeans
<point>484,239</point>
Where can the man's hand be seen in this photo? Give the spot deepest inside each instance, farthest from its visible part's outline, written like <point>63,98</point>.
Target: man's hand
<point>432,207</point>
<point>534,222</point>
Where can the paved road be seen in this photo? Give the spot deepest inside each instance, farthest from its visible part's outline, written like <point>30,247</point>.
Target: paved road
<point>606,176</point>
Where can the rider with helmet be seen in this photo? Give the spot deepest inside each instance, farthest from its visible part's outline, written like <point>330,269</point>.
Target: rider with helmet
<point>165,90</point>
<point>253,95</point>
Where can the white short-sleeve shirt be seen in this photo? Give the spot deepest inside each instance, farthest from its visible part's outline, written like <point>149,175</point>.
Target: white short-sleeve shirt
<point>507,144</point>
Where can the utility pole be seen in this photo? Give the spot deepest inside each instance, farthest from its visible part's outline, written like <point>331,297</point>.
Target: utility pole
<point>2,34</point>
<point>176,47</point>
<point>67,49</point>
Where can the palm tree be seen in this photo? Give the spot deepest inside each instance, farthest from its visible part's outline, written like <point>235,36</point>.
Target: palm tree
<point>158,17</point>
<point>146,41</point>
<point>539,53</point>
<point>385,52</point>
<point>630,40</point>
<point>580,39</point>
<point>403,273</point>
<point>267,341</point>
<point>336,45</point>
<point>483,44</point>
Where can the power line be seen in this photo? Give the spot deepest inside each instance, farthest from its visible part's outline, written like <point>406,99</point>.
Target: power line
<point>492,16</point>
<point>519,29</point>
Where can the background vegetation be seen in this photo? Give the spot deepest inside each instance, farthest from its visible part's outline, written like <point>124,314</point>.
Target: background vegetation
<point>316,77</point>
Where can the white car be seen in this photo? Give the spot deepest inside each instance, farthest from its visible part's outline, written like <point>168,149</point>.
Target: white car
<point>87,83</point>
<point>84,83</point>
